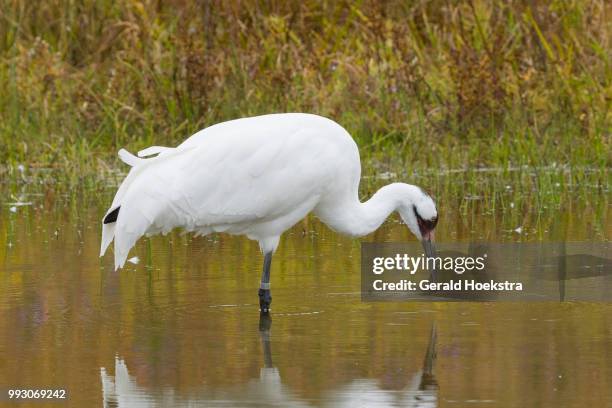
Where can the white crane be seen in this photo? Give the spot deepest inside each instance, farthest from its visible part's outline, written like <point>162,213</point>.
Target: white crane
<point>257,177</point>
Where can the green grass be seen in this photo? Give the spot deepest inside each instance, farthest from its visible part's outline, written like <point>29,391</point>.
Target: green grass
<point>426,86</point>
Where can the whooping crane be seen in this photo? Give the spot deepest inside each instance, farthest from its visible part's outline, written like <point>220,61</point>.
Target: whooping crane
<point>257,177</point>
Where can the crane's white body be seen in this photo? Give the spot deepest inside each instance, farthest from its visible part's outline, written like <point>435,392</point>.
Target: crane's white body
<point>255,176</point>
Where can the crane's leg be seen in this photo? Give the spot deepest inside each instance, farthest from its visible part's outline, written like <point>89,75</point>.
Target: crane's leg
<point>264,289</point>
<point>265,323</point>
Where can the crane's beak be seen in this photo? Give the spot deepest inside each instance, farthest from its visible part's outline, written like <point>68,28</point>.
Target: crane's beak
<point>428,246</point>
<point>430,251</point>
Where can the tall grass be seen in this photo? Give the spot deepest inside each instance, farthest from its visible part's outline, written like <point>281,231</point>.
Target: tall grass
<point>436,84</point>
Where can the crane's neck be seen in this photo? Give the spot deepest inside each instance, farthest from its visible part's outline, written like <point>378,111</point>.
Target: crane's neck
<point>354,218</point>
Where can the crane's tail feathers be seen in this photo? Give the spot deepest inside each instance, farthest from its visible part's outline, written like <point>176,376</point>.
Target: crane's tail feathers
<point>125,231</point>
<point>129,228</point>
<point>108,228</point>
<point>111,216</point>
<point>108,233</point>
<point>153,150</point>
<point>131,215</point>
<point>129,159</point>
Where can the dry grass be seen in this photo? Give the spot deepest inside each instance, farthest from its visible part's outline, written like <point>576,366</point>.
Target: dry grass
<point>437,84</point>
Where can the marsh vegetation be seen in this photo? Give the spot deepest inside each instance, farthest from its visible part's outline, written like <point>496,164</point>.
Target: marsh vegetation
<point>429,85</point>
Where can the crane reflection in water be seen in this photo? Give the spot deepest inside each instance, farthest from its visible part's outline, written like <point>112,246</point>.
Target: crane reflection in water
<point>122,389</point>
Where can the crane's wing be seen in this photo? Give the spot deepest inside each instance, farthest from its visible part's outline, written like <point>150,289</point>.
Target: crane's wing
<point>218,184</point>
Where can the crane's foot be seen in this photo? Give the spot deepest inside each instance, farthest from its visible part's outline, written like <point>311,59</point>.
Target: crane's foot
<point>264,300</point>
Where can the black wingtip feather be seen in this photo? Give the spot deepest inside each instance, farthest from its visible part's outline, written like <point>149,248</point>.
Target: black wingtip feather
<point>111,216</point>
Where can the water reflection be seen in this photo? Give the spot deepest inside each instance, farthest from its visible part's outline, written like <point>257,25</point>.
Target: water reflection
<point>122,389</point>
<point>184,321</point>
<point>421,391</point>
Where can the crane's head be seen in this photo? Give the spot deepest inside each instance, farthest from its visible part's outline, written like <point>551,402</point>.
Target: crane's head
<point>421,216</point>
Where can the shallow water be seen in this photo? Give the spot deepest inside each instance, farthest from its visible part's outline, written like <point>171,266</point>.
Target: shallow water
<point>182,328</point>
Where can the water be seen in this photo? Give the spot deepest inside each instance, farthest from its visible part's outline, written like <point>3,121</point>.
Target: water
<point>182,328</point>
